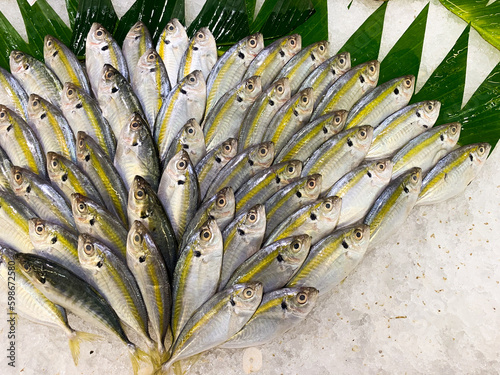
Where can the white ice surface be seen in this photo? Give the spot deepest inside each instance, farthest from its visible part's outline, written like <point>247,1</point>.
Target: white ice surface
<point>424,303</point>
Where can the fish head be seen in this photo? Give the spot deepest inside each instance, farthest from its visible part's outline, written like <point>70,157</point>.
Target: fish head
<point>320,52</point>
<point>51,47</point>
<point>428,113</point>
<point>341,63</point>
<point>97,36</point>
<point>178,168</point>
<point>411,181</point>
<point>357,239</point>
<point>300,301</point>
<point>36,107</point>
<point>7,257</point>
<point>252,88</point>
<point>110,81</point>
<point>291,45</point>
<point>83,210</point>
<point>362,138</point>
<point>136,32</point>
<point>310,187</point>
<point>295,248</point>
<point>305,102</point>
<point>329,209</point>
<point>194,82</point>
<point>404,89</point>
<point>136,131</point>
<point>224,203</point>
<point>20,181</point>
<point>254,220</point>
<point>192,133</point>
<point>6,116</point>
<point>139,196</point>
<point>451,134</point>
<point>89,255</point>
<point>35,268</point>
<point>262,155</point>
<point>228,149</point>
<point>138,242</point>
<point>380,172</point>
<point>71,96</point>
<point>253,45</point>
<point>19,62</point>
<point>335,122</point>
<point>479,153</point>
<point>40,232</point>
<point>204,39</point>
<point>149,60</point>
<point>289,172</point>
<point>55,166</point>
<point>280,91</point>
<point>174,30</point>
<point>368,75</point>
<point>245,298</point>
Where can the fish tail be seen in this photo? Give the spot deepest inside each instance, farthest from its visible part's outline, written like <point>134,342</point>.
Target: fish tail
<point>74,343</point>
<point>136,356</point>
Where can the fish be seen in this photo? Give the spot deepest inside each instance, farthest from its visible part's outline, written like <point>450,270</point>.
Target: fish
<point>151,85</point>
<point>101,49</point>
<point>264,184</point>
<point>63,62</point>
<point>290,118</point>
<point>243,166</point>
<point>111,277</point>
<point>145,206</point>
<point>332,259</point>
<point>117,100</point>
<point>96,221</point>
<point>325,75</point>
<point>425,150</point>
<point>196,274</point>
<point>201,54</point>
<point>349,88</point>
<point>228,71</point>
<point>65,289</point>
<point>136,43</point>
<point>136,153</point>
<point>311,136</point>
<point>261,112</point>
<point>209,167</point>
<point>172,44</point>
<point>339,155</point>
<point>303,63</point>
<point>148,268</point>
<point>290,198</point>
<point>5,165</point>
<point>242,238</point>
<point>20,142</point>
<point>186,100</point>
<point>400,127</point>
<point>179,192</point>
<point>453,173</point>
<point>35,77</point>
<point>191,139</point>
<point>216,321</point>
<point>393,206</point>
<point>224,120</point>
<point>67,178</point>
<point>39,194</point>
<point>30,302</point>
<point>279,311</point>
<point>316,219</point>
<point>99,167</point>
<point>51,127</point>
<point>12,94</point>
<point>269,62</point>
<point>83,114</point>
<point>359,188</point>
<point>274,264</point>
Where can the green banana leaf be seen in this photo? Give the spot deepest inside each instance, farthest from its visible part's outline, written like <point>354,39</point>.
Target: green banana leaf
<point>72,8</point>
<point>10,40</point>
<point>485,19</point>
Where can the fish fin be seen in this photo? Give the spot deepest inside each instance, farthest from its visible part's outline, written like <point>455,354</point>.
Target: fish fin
<point>74,343</point>
<point>136,356</point>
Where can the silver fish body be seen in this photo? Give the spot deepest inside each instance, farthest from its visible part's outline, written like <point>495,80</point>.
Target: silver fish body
<point>12,94</point>
<point>136,43</point>
<point>171,46</point>
<point>201,54</point>
<point>191,139</point>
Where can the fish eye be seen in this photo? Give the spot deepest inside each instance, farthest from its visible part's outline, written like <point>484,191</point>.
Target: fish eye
<point>248,292</point>
<point>295,245</point>
<point>81,207</point>
<point>139,194</point>
<point>341,61</point>
<point>481,150</point>
<point>151,56</point>
<point>181,165</point>
<point>26,266</point>
<point>227,148</point>
<point>305,99</point>
<point>408,82</point>
<point>135,125</point>
<point>291,169</point>
<point>2,114</point>
<point>263,151</point>
<point>39,228</point>
<point>206,235</point>
<point>337,119</point>
<point>280,89</point>
<point>70,92</point>
<point>311,184</point>
<point>35,103</point>
<point>372,68</point>
<point>192,79</point>
<point>381,166</point>
<point>18,176</point>
<point>252,217</point>
<point>292,42</point>
<point>253,42</point>
<point>88,249</point>
<point>49,43</point>
<point>170,27</point>
<point>430,107</point>
<point>358,234</point>
<point>414,178</point>
<point>250,86</point>
<point>453,129</point>
<point>221,202</point>
<point>109,75</point>
<point>137,238</point>
<point>321,47</point>
<point>200,35</point>
<point>362,134</point>
<point>301,298</point>
<point>328,205</point>
<point>190,130</point>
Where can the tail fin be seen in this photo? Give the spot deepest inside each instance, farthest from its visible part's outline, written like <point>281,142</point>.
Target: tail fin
<point>74,343</point>
<point>137,355</point>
